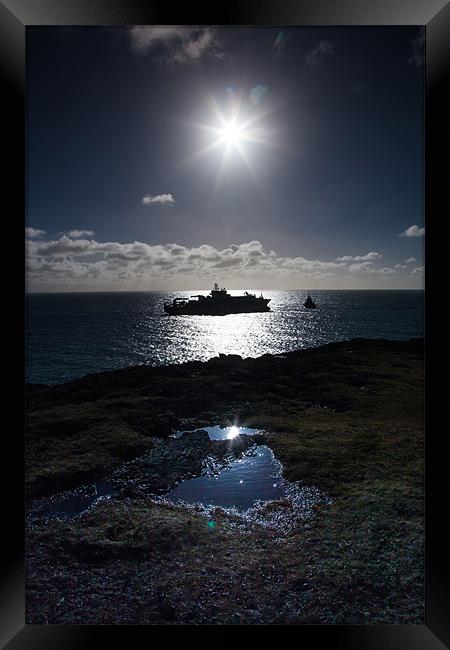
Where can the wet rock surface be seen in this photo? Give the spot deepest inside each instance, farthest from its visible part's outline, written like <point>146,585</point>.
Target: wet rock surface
<point>175,459</point>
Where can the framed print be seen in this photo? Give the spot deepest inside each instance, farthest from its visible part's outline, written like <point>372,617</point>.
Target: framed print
<point>230,219</point>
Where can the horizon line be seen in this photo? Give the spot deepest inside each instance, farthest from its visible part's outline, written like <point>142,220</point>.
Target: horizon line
<point>254,289</point>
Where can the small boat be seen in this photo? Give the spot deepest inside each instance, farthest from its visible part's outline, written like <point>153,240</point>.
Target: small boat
<point>309,302</point>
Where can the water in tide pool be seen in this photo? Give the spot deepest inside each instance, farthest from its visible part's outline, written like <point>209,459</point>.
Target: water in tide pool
<point>71,335</point>
<point>256,476</point>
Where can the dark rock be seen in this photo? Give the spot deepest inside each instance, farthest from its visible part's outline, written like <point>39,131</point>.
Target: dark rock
<point>131,492</point>
<point>155,425</point>
<point>195,438</point>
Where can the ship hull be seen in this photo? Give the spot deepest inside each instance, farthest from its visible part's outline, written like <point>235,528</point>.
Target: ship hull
<point>218,309</point>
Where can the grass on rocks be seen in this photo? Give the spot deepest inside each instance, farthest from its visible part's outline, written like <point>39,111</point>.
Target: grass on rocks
<point>347,418</point>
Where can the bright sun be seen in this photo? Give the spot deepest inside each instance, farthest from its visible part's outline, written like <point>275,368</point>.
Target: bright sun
<point>231,133</point>
<point>234,136</point>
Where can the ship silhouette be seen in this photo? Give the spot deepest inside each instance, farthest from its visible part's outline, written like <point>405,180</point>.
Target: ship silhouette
<point>217,303</point>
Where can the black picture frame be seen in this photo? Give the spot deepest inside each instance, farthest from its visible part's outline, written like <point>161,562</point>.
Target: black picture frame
<point>434,15</point>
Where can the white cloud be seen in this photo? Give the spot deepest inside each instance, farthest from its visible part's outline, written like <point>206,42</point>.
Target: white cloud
<point>413,231</point>
<point>145,37</point>
<point>410,260</point>
<point>367,267</point>
<point>32,233</point>
<point>76,234</point>
<point>68,263</point>
<point>161,199</point>
<point>418,270</point>
<point>318,53</point>
<point>417,48</point>
<point>177,45</point>
<point>361,267</point>
<point>368,257</point>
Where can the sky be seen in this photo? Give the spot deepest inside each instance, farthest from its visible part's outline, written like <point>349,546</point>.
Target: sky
<point>261,157</point>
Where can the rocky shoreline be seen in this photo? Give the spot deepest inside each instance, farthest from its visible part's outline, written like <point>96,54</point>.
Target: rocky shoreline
<point>346,418</point>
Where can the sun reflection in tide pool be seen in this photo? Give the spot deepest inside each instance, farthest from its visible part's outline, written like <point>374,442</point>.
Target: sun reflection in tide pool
<point>232,432</point>
<point>223,433</point>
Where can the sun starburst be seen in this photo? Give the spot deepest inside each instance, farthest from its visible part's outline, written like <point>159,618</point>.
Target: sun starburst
<point>234,132</point>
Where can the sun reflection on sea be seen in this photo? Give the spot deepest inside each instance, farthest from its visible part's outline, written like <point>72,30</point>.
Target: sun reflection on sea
<point>176,339</point>
<point>75,334</point>
<point>234,333</point>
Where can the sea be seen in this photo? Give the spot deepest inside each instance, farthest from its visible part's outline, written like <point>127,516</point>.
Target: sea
<point>69,335</point>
